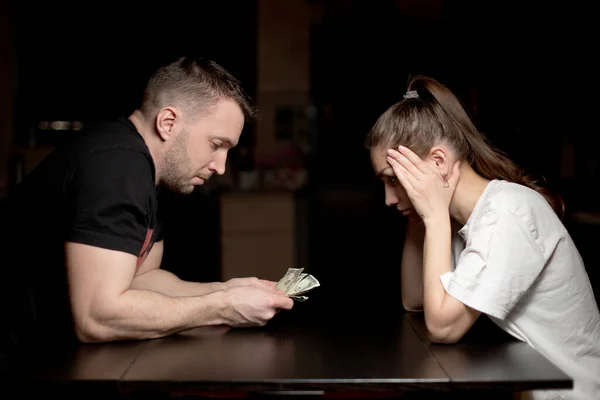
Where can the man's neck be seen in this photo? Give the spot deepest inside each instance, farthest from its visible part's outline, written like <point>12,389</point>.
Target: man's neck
<point>146,131</point>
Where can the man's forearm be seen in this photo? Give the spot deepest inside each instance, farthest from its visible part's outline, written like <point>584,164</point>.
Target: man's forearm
<point>144,314</point>
<point>161,281</point>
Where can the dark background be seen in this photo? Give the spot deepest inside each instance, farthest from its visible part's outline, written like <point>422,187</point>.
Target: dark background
<point>524,70</point>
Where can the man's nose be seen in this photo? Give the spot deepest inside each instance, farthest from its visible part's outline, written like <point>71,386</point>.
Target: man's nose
<point>217,166</point>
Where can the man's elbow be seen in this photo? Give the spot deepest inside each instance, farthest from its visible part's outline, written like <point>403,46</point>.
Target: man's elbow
<point>93,327</point>
<point>89,331</point>
<point>87,336</point>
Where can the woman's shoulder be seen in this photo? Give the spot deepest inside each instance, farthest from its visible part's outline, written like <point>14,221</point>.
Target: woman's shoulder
<point>513,197</point>
<point>503,199</point>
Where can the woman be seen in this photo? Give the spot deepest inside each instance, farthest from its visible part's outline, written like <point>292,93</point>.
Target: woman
<point>483,238</point>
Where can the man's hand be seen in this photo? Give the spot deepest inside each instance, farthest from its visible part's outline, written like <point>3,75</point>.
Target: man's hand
<point>254,305</point>
<point>261,283</point>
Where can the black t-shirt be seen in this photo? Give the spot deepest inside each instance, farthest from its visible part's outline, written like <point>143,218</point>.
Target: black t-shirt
<point>98,189</point>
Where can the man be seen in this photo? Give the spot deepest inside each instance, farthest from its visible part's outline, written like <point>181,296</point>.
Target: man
<point>84,228</point>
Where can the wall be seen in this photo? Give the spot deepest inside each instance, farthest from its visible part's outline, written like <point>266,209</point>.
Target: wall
<point>6,110</point>
<point>283,63</point>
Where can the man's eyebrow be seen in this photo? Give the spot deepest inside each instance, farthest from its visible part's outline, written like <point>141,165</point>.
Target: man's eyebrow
<point>226,140</point>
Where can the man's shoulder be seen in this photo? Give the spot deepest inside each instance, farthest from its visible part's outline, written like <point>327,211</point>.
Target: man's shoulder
<point>118,134</point>
<point>114,143</point>
<point>106,150</point>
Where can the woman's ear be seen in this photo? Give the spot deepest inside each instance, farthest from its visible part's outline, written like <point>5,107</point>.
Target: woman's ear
<point>438,158</point>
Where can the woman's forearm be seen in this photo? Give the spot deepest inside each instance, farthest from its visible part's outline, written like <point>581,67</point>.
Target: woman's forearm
<point>412,266</point>
<point>437,253</point>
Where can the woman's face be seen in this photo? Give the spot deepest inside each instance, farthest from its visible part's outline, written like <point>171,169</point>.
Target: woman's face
<point>395,195</point>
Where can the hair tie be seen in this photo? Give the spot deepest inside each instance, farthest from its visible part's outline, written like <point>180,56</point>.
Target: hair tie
<point>411,94</point>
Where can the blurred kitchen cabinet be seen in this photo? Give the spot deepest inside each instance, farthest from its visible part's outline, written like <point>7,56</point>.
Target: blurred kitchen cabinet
<point>261,234</point>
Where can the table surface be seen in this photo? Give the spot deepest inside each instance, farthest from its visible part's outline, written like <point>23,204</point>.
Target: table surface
<point>300,353</point>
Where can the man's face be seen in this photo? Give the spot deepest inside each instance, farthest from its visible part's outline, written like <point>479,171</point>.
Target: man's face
<point>200,148</point>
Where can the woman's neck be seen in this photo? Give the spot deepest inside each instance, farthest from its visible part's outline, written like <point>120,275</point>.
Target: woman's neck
<point>468,191</point>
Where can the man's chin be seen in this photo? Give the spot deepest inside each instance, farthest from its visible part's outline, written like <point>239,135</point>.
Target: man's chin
<point>183,188</point>
<point>187,190</point>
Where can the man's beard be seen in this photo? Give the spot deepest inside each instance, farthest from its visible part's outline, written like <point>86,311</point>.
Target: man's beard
<point>177,171</point>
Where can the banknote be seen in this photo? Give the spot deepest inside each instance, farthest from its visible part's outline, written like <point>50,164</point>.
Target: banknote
<point>299,298</point>
<point>289,279</point>
<point>295,283</point>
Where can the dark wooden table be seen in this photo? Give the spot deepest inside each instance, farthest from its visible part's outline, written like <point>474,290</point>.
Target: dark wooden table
<point>333,357</point>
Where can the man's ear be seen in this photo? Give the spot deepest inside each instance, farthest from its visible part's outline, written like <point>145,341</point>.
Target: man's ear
<point>438,158</point>
<point>165,122</point>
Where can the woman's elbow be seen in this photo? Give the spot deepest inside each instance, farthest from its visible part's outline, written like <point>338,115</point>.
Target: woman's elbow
<point>409,308</point>
<point>412,306</point>
<point>442,337</point>
<point>443,334</point>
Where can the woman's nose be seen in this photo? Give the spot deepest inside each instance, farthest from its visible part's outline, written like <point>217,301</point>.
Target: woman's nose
<point>390,196</point>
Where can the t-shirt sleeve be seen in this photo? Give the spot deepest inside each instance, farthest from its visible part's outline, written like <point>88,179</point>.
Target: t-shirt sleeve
<point>498,265</point>
<point>111,201</point>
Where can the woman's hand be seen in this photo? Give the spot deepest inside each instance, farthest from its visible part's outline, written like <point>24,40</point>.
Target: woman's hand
<point>429,192</point>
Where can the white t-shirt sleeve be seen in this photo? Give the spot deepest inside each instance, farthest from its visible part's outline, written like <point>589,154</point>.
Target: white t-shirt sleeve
<point>500,262</point>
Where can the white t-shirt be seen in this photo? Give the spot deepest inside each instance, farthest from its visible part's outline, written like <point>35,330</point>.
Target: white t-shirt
<point>515,261</point>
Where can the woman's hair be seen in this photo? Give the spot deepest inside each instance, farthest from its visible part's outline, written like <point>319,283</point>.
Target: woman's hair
<point>195,84</point>
<point>430,114</point>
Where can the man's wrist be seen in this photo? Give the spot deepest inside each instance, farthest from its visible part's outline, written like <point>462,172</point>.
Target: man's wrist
<point>221,303</point>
